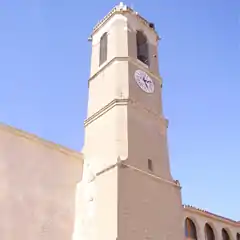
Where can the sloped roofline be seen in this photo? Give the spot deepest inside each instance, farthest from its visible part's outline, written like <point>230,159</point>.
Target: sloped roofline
<point>35,138</point>
<point>211,215</point>
<point>79,155</point>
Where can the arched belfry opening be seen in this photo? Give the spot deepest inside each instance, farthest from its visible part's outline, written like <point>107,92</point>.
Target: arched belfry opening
<point>142,47</point>
<point>238,236</point>
<point>190,229</point>
<point>209,234</point>
<point>225,235</point>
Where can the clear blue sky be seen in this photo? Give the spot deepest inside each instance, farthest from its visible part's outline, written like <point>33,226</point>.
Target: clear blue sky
<point>44,69</point>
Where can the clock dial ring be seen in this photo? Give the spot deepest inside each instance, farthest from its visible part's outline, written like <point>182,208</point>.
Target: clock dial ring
<point>144,81</point>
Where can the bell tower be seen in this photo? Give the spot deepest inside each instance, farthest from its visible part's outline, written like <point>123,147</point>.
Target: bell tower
<point>130,191</point>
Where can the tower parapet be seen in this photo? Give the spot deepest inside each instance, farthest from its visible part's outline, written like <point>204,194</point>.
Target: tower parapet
<point>121,8</point>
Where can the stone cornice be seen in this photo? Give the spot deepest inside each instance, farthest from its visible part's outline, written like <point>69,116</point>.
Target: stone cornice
<point>105,109</point>
<point>122,9</point>
<point>41,141</point>
<point>211,215</point>
<point>125,101</point>
<point>174,183</point>
<point>123,164</point>
<point>134,61</point>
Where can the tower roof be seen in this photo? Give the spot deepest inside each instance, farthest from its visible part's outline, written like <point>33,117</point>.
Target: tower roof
<point>122,9</point>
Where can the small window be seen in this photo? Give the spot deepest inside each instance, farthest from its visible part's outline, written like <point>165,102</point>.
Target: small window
<point>103,49</point>
<point>142,48</point>
<point>150,165</point>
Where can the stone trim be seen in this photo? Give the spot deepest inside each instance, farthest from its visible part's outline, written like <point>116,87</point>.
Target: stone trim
<point>211,215</point>
<point>105,109</point>
<point>41,141</point>
<point>134,61</point>
<point>122,9</point>
<point>174,183</point>
<point>125,101</point>
<point>122,163</point>
<point>107,169</point>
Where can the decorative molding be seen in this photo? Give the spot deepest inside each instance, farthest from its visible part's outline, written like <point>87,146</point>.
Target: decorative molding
<point>123,9</point>
<point>174,183</point>
<point>134,61</point>
<point>105,109</point>
<point>106,169</point>
<point>122,163</point>
<point>41,141</point>
<point>125,101</point>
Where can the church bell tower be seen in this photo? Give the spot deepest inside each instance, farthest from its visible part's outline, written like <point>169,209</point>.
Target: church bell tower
<point>127,191</point>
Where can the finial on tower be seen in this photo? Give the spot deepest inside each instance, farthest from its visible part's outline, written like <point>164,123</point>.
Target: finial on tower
<point>121,6</point>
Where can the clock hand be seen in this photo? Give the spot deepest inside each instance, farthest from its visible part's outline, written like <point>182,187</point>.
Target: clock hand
<point>149,82</point>
<point>145,81</point>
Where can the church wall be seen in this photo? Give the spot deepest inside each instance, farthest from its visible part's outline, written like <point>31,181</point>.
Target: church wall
<point>217,224</point>
<point>144,207</point>
<point>135,25</point>
<point>150,102</point>
<point>148,144</point>
<point>37,183</point>
<point>116,38</point>
<point>147,128</point>
<point>101,137</point>
<point>111,83</point>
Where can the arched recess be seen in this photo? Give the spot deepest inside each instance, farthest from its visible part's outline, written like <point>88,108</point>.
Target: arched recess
<point>103,48</point>
<point>209,233</point>
<point>238,236</point>
<point>142,47</point>
<point>190,229</point>
<point>225,235</point>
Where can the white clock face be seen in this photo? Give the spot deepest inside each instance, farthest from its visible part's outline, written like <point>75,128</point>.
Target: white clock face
<point>144,81</point>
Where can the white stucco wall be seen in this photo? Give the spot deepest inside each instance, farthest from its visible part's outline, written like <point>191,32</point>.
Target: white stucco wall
<point>37,182</point>
<point>217,223</point>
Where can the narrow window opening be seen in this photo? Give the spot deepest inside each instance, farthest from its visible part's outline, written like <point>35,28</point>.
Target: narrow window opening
<point>142,48</point>
<point>103,49</point>
<point>150,165</point>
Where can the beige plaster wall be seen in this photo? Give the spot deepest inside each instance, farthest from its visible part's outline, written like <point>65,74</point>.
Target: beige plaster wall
<point>125,122</point>
<point>217,224</point>
<point>37,182</point>
<point>149,208</point>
